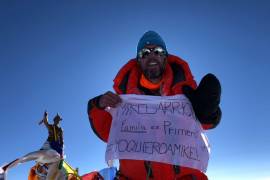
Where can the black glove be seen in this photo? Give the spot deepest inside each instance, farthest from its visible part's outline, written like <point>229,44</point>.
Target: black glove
<point>205,99</point>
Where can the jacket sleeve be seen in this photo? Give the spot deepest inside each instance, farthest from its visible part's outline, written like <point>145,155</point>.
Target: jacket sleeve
<point>100,120</point>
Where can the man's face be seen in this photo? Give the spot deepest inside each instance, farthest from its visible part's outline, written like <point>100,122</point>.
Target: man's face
<point>153,63</point>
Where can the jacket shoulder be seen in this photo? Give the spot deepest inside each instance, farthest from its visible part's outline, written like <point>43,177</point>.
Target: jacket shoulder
<point>121,79</point>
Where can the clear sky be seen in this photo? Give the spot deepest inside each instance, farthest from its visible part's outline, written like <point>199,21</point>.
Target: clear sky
<point>55,55</point>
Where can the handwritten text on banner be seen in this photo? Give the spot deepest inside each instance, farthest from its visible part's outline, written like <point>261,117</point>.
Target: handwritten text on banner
<point>155,128</point>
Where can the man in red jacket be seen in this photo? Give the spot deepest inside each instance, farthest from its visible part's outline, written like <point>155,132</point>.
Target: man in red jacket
<point>155,72</point>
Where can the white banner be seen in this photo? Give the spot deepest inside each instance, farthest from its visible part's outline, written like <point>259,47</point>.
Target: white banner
<point>157,128</point>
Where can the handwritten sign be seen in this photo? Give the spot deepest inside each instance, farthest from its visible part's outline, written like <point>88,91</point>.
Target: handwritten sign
<point>157,128</point>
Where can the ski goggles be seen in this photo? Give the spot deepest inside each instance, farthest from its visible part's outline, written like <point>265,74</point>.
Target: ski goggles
<point>146,51</point>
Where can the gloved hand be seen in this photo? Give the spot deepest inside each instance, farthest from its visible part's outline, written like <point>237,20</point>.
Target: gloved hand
<point>109,99</point>
<point>206,98</point>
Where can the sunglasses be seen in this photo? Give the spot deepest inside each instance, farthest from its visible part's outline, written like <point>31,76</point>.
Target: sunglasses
<point>146,51</point>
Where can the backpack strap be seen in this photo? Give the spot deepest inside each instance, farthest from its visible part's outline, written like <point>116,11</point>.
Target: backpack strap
<point>176,169</point>
<point>148,168</point>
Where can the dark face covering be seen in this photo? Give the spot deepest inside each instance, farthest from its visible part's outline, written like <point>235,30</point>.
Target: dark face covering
<point>57,120</point>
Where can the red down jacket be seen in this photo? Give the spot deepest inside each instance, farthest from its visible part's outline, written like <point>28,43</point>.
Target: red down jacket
<point>177,74</point>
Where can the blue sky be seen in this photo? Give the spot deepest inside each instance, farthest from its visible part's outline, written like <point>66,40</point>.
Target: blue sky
<point>55,55</point>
